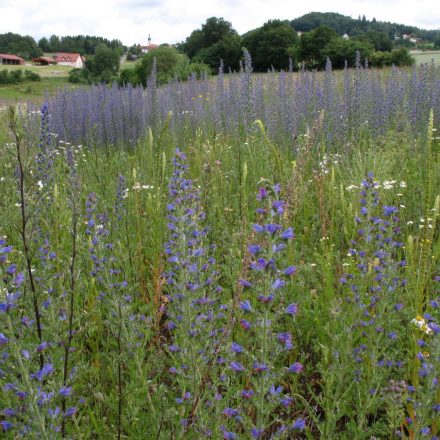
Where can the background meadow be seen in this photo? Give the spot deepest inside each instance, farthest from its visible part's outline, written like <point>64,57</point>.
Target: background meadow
<point>255,256</point>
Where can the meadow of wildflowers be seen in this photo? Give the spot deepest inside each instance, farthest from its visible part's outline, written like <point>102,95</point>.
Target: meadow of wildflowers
<point>245,257</point>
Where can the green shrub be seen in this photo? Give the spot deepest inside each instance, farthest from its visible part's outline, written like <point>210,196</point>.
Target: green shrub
<point>16,75</point>
<point>5,78</point>
<point>198,68</point>
<point>168,64</point>
<point>31,76</point>
<point>77,76</point>
<point>128,76</point>
<point>380,59</point>
<point>398,57</point>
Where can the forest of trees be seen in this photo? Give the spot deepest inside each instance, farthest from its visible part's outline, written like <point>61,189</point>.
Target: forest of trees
<point>343,24</point>
<point>22,46</point>
<point>83,44</point>
<point>27,48</point>
<point>277,45</point>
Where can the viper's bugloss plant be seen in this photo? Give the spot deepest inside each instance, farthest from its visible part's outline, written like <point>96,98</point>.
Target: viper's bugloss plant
<point>264,359</point>
<point>195,315</point>
<point>121,319</point>
<point>30,371</point>
<point>373,306</point>
<point>421,393</point>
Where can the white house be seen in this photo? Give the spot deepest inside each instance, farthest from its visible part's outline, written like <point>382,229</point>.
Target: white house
<point>69,59</point>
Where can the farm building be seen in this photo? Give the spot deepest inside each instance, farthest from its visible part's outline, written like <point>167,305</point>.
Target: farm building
<point>44,61</point>
<point>69,59</point>
<point>10,59</point>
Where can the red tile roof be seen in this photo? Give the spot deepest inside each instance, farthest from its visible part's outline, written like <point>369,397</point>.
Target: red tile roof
<point>66,57</point>
<point>10,57</point>
<point>149,47</point>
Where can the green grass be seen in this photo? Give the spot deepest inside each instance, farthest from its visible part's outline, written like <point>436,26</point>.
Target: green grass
<point>43,71</point>
<point>31,90</point>
<point>426,56</point>
<point>128,65</point>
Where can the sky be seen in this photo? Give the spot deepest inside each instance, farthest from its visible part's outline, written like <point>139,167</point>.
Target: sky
<point>171,21</point>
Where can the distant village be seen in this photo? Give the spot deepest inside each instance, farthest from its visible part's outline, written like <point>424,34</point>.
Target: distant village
<point>74,60</point>
<point>62,59</point>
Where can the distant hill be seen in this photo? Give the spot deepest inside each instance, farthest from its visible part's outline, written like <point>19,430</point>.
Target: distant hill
<point>343,24</point>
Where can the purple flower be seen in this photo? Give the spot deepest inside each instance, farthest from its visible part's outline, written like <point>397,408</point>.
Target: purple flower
<point>65,391</point>
<point>262,194</point>
<point>254,249</point>
<point>11,269</point>
<point>42,346</point>
<point>5,250</point>
<point>6,425</point>
<point>246,306</point>
<point>247,394</point>
<point>246,325</point>
<point>258,228</point>
<point>278,206</point>
<point>259,367</point>
<point>275,391</point>
<point>278,248</point>
<point>434,327</point>
<point>389,210</point>
<point>18,280</point>
<point>287,234</point>
<point>299,425</point>
<point>245,283</point>
<point>3,339</point>
<point>290,270</point>
<point>286,401</point>
<point>71,412</point>
<point>292,309</point>
<point>295,368</point>
<point>265,299</point>
<point>278,284</point>
<point>230,412</point>
<point>236,348</point>
<point>392,335</point>
<point>45,371</point>
<point>272,228</point>
<point>257,433</point>
<point>236,366</point>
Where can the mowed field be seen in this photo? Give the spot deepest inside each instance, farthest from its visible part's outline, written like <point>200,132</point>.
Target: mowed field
<point>426,57</point>
<point>43,71</point>
<point>52,79</point>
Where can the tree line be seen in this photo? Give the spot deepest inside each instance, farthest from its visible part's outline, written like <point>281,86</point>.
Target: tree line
<point>27,48</point>
<point>83,44</point>
<point>277,45</point>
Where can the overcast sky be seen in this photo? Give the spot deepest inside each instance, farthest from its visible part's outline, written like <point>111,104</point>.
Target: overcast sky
<point>170,21</point>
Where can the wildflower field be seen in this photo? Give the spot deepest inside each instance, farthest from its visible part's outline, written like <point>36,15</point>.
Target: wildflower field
<point>244,257</point>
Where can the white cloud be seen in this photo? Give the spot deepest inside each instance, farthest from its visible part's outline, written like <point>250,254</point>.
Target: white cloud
<point>173,20</point>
